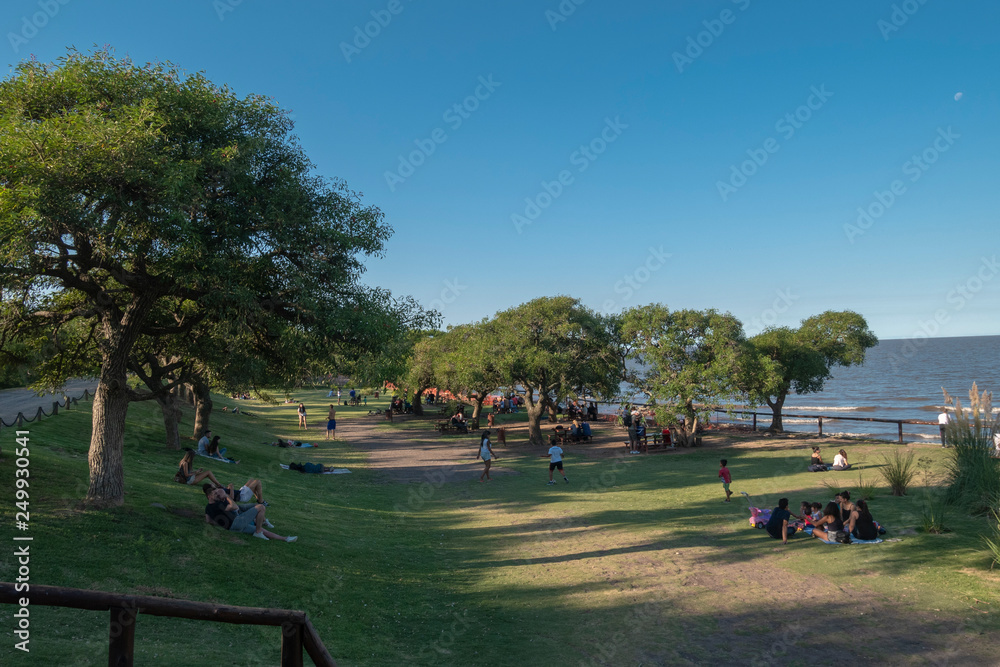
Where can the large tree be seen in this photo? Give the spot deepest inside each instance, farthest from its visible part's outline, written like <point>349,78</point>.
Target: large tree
<point>686,361</point>
<point>468,365</point>
<point>550,347</point>
<point>127,186</point>
<point>802,359</point>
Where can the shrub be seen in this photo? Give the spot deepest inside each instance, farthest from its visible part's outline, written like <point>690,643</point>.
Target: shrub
<point>932,516</point>
<point>993,540</point>
<point>898,471</point>
<point>866,487</point>
<point>973,471</point>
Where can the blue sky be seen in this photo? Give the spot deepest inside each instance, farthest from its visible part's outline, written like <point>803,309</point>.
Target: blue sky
<point>626,153</point>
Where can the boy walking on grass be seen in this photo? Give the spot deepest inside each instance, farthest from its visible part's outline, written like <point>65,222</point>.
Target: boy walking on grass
<point>555,461</point>
<point>726,477</point>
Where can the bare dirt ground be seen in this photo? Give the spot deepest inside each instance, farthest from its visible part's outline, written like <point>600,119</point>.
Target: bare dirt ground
<point>821,619</point>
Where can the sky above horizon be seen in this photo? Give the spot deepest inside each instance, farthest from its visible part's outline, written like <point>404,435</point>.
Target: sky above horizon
<point>772,160</point>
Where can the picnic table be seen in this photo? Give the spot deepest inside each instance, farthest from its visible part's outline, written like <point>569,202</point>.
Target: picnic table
<point>659,441</point>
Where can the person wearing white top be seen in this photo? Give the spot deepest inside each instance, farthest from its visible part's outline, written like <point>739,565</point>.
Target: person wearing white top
<point>840,461</point>
<point>943,420</point>
<point>486,454</point>
<point>555,461</point>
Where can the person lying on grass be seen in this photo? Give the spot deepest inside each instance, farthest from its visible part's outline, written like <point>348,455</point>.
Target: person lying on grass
<point>252,489</point>
<point>777,526</point>
<point>221,511</point>
<point>185,475</point>
<point>316,468</point>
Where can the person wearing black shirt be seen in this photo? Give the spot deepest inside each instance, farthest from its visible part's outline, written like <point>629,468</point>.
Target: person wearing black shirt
<point>221,511</point>
<point>777,527</point>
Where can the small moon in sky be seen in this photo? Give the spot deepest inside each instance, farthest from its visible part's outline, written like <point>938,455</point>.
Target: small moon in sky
<point>958,96</point>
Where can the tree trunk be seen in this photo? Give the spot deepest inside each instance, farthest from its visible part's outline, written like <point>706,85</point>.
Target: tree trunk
<point>107,474</point>
<point>477,405</point>
<point>171,419</point>
<point>535,410</point>
<point>553,415</point>
<point>689,429</point>
<point>107,434</point>
<point>776,405</point>
<point>418,405</point>
<point>202,407</point>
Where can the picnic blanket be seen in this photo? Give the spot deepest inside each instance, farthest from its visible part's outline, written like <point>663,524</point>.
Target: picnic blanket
<point>854,540</point>
<point>335,471</point>
<point>220,459</point>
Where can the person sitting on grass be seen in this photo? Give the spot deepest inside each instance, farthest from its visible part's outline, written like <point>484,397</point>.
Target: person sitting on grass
<point>817,512</point>
<point>840,461</point>
<point>829,523</point>
<point>861,524</point>
<point>816,462</point>
<point>185,475</point>
<point>221,511</point>
<point>205,442</point>
<point>215,452</point>
<point>843,499</point>
<point>777,526</point>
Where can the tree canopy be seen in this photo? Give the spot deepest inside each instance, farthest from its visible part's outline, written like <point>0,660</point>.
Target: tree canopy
<point>147,202</point>
<point>801,359</point>
<point>687,361</point>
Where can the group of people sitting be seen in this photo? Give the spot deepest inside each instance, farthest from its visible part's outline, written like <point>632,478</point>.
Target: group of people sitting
<point>839,461</point>
<point>578,430</point>
<point>838,521</point>
<point>228,507</point>
<point>503,405</point>
<point>576,412</point>
<point>208,445</point>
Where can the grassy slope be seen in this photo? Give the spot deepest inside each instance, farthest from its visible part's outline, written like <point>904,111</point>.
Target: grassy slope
<point>513,572</point>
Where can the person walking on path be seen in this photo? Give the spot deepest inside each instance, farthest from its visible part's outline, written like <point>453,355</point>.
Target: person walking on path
<point>555,461</point>
<point>331,423</point>
<point>302,417</point>
<point>726,478</point>
<point>486,454</point>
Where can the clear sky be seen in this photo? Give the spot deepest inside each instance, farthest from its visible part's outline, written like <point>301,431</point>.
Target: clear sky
<point>700,154</point>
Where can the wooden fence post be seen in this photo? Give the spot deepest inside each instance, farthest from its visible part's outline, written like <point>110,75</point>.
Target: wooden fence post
<point>121,645</point>
<point>755,422</point>
<point>820,426</point>
<point>291,644</point>
<point>55,408</point>
<point>900,432</point>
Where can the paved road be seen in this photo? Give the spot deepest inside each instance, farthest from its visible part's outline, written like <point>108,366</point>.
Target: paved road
<point>13,401</point>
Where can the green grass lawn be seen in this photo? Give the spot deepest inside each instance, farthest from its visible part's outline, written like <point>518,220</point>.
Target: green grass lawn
<point>636,561</point>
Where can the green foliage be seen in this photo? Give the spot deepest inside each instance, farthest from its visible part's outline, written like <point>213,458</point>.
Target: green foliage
<point>898,470</point>
<point>973,469</point>
<point>866,488</point>
<point>992,539</point>
<point>801,359</point>
<point>553,347</point>
<point>685,359</point>
<point>933,515</point>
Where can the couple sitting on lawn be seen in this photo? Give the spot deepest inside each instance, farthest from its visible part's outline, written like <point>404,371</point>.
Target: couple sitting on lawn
<point>839,461</point>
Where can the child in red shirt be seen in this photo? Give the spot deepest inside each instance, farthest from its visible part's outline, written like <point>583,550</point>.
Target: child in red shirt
<point>726,478</point>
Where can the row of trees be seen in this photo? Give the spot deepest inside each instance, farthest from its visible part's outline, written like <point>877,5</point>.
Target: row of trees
<point>555,349</point>
<point>158,231</point>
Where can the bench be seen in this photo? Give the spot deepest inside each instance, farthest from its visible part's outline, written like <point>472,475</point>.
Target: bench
<point>448,427</point>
